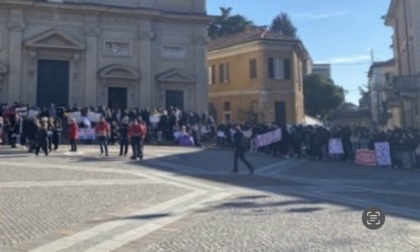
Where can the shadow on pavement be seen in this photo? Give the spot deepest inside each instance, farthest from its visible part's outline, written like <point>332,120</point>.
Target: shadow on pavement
<point>214,166</point>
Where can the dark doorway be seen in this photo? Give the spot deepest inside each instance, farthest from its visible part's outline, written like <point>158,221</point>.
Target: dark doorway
<point>52,83</point>
<point>117,98</point>
<point>175,98</point>
<point>280,112</point>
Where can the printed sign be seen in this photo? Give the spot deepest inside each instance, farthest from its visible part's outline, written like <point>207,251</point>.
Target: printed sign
<point>94,117</point>
<point>87,134</point>
<point>335,146</point>
<point>22,111</point>
<point>268,138</point>
<point>220,134</point>
<point>366,157</point>
<point>75,115</point>
<point>383,154</point>
<point>247,133</point>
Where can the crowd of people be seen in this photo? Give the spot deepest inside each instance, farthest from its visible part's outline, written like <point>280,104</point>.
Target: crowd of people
<point>46,129</point>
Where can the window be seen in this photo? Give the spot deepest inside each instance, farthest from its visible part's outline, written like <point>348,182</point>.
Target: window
<point>224,73</point>
<point>279,69</point>
<point>212,74</point>
<point>226,106</point>
<point>253,69</point>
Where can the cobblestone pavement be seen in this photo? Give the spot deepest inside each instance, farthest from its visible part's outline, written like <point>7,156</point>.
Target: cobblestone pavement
<point>186,199</point>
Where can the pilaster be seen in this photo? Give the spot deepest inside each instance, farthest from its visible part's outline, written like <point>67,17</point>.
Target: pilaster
<point>199,100</point>
<point>91,81</point>
<point>16,27</point>
<point>146,92</point>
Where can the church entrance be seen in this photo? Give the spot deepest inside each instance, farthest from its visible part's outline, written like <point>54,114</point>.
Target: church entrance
<point>52,83</point>
<point>117,98</point>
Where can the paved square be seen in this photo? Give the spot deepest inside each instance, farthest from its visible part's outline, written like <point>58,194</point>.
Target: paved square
<point>186,199</point>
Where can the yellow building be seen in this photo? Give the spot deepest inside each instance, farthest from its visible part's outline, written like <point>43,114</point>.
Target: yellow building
<point>257,76</point>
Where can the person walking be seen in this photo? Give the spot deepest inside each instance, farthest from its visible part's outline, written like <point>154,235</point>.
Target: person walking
<point>73,134</point>
<point>58,128</point>
<point>240,146</point>
<point>137,133</point>
<point>123,136</point>
<point>42,137</point>
<point>103,131</point>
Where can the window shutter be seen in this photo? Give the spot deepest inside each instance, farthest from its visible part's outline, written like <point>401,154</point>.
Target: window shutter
<point>227,73</point>
<point>221,73</point>
<point>287,69</point>
<point>253,69</point>
<point>213,74</point>
<point>210,73</point>
<point>271,68</point>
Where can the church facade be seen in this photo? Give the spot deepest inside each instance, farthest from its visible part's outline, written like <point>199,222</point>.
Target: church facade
<point>117,53</point>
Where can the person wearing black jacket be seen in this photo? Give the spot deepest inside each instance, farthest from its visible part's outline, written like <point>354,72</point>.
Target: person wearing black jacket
<point>239,146</point>
<point>123,137</point>
<point>57,129</point>
<point>31,133</point>
<point>42,137</point>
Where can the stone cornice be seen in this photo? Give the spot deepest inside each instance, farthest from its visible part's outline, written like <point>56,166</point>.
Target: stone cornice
<point>98,9</point>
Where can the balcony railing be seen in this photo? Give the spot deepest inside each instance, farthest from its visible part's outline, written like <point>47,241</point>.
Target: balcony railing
<point>407,86</point>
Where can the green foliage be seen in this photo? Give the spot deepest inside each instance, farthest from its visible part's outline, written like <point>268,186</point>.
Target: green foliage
<point>226,24</point>
<point>364,101</point>
<point>321,95</point>
<point>283,24</point>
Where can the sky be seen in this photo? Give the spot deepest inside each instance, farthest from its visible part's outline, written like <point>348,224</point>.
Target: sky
<point>340,32</point>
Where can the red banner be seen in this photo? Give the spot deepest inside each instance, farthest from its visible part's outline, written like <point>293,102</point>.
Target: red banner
<point>366,157</point>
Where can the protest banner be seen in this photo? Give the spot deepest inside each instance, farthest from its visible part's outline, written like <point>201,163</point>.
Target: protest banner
<point>268,138</point>
<point>23,111</point>
<point>87,134</point>
<point>75,115</point>
<point>366,157</point>
<point>94,117</point>
<point>335,146</point>
<point>247,133</point>
<point>154,119</point>
<point>220,134</point>
<point>32,113</point>
<point>383,154</point>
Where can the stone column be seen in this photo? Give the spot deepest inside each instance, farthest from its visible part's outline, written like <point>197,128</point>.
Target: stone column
<point>200,96</point>
<point>16,26</point>
<point>91,67</point>
<point>146,93</point>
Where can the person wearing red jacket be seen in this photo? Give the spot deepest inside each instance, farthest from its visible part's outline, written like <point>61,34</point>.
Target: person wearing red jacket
<point>103,131</point>
<point>137,133</point>
<point>73,134</point>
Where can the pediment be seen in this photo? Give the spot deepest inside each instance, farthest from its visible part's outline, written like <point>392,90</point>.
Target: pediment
<point>3,69</point>
<point>175,75</point>
<point>118,72</point>
<point>55,39</point>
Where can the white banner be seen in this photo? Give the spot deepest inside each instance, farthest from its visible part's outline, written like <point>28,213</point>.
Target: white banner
<point>87,134</point>
<point>220,134</point>
<point>335,146</point>
<point>75,115</point>
<point>247,133</point>
<point>32,114</point>
<point>154,119</point>
<point>268,138</point>
<point>94,117</point>
<point>23,111</point>
<point>383,154</point>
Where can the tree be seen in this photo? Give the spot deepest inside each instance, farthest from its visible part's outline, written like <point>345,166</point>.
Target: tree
<point>283,24</point>
<point>322,95</point>
<point>364,101</point>
<point>226,24</point>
